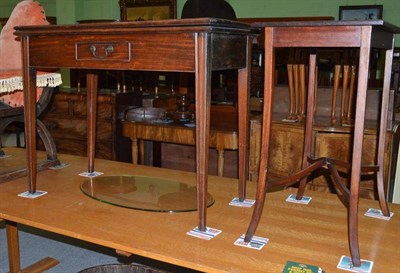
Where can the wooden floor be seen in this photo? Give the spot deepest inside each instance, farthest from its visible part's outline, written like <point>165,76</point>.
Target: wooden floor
<point>313,234</point>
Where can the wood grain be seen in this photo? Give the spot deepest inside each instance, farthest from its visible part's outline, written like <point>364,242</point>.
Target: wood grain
<point>313,234</point>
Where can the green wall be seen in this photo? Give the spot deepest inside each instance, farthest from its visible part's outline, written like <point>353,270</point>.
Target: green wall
<point>69,11</point>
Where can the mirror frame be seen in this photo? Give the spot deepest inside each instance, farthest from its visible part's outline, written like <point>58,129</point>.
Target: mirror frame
<point>125,5</point>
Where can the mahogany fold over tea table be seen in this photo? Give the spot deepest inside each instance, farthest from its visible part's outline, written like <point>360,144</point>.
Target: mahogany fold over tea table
<point>189,45</point>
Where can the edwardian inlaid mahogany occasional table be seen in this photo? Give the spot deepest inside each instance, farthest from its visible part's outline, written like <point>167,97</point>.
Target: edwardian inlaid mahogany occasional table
<point>328,34</point>
<point>189,45</point>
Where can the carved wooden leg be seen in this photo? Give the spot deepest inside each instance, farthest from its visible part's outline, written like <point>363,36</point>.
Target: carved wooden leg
<point>336,79</point>
<point>296,84</point>
<point>203,100</point>
<point>382,134</point>
<point>351,93</point>
<point>343,108</point>
<point>266,134</point>
<point>291,92</point>
<point>316,91</point>
<point>243,120</point>
<point>302,105</point>
<point>92,80</point>
<point>358,144</point>
<point>309,123</point>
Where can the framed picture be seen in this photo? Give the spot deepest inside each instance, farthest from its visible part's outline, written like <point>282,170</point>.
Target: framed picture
<point>143,10</point>
<point>369,12</point>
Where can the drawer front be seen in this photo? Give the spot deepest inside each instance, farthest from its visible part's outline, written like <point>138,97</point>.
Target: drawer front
<point>138,51</point>
<point>106,51</point>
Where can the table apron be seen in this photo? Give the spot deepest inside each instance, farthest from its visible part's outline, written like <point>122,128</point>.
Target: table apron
<point>151,52</point>
<point>325,36</point>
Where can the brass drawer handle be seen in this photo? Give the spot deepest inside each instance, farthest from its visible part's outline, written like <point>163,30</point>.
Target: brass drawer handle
<point>108,50</point>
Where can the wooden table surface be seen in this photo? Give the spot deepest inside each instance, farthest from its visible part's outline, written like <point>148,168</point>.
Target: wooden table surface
<point>313,234</point>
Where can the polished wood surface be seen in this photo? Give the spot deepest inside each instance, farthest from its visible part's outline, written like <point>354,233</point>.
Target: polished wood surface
<point>364,35</point>
<point>223,135</point>
<point>198,46</point>
<point>313,234</point>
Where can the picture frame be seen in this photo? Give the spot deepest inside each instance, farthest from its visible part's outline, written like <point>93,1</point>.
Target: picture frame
<point>364,12</point>
<point>143,10</point>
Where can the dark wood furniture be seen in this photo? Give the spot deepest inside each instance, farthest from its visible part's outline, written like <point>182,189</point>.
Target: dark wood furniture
<point>194,45</point>
<point>66,118</point>
<point>312,234</point>
<point>327,140</point>
<point>223,135</point>
<point>358,34</point>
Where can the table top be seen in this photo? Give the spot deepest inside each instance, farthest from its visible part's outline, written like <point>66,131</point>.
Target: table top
<point>190,24</point>
<point>377,23</point>
<point>313,234</point>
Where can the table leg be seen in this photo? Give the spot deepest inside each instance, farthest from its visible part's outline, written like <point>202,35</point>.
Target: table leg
<point>382,133</point>
<point>141,152</point>
<point>243,119</point>
<point>14,258</point>
<point>29,81</point>
<point>309,124</point>
<point>203,100</point>
<point>358,143</point>
<point>266,133</point>
<point>13,247</point>
<point>134,150</point>
<point>220,162</point>
<point>91,79</point>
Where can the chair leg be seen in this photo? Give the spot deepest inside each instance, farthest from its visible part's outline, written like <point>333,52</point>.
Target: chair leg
<point>302,100</point>
<point>316,91</point>
<point>292,98</point>
<point>343,108</point>
<point>336,80</point>
<point>296,84</point>
<point>350,106</point>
